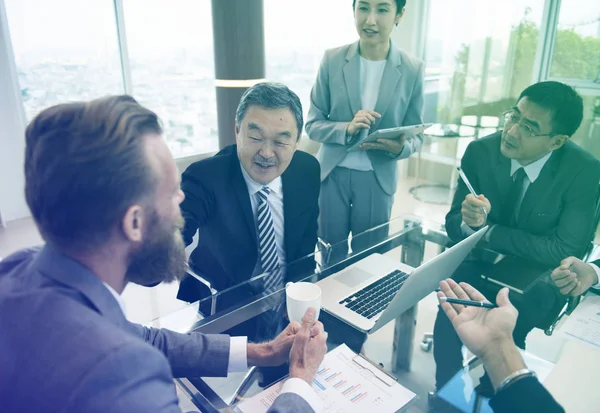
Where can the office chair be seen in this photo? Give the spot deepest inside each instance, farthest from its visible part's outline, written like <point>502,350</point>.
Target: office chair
<point>210,291</point>
<point>592,253</point>
<point>250,377</point>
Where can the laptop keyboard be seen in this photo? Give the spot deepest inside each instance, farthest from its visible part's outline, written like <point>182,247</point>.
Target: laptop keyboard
<point>374,298</point>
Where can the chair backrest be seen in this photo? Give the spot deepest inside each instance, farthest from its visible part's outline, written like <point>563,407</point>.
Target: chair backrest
<point>309,146</point>
<point>594,228</point>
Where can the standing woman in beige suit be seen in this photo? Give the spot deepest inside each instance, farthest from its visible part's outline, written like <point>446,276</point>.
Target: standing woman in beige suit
<point>362,87</point>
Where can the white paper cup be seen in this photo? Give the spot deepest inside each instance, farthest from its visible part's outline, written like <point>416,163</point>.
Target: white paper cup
<point>299,297</point>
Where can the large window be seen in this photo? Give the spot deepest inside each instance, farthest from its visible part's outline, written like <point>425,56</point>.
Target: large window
<point>297,33</point>
<point>68,50</point>
<point>65,50</point>
<point>480,54</point>
<point>576,52</point>
<point>172,69</point>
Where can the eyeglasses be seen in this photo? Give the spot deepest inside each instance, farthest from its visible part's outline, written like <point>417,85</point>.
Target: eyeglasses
<point>525,131</point>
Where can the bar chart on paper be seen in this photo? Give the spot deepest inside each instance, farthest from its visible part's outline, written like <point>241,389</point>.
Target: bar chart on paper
<point>344,385</point>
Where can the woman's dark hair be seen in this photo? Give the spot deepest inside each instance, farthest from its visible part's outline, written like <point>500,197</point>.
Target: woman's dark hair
<point>399,4</point>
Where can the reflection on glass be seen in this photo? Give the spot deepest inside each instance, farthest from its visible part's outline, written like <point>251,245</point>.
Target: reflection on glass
<point>172,69</point>
<point>65,50</point>
<point>479,57</point>
<point>479,54</point>
<point>576,52</point>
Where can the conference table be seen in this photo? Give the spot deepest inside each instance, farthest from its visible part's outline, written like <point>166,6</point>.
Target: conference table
<point>394,349</point>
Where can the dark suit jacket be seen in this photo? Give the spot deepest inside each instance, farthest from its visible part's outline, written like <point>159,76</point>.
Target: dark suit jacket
<point>555,215</point>
<point>65,345</point>
<point>217,204</point>
<point>525,396</point>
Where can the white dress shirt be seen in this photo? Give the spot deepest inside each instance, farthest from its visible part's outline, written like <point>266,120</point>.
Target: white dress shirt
<point>532,172</point>
<point>238,362</point>
<point>595,267</point>
<point>371,73</point>
<point>275,201</point>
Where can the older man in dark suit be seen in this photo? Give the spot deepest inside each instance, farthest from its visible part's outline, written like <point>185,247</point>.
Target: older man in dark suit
<point>537,192</point>
<point>104,192</point>
<point>254,204</point>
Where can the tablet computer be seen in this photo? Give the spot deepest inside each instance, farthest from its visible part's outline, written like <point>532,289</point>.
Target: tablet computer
<point>392,133</point>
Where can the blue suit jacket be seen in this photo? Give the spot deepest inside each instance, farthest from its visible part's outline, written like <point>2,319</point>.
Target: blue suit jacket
<point>335,99</point>
<point>65,345</point>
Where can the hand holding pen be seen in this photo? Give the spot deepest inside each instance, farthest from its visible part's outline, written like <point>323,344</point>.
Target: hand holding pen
<point>475,208</point>
<point>478,328</point>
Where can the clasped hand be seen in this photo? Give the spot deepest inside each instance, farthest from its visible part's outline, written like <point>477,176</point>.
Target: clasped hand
<point>574,277</point>
<point>304,345</point>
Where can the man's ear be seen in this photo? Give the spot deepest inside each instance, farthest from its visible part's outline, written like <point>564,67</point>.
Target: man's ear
<point>133,222</point>
<point>558,141</point>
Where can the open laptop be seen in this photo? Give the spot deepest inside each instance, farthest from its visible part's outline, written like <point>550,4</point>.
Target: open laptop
<point>375,290</point>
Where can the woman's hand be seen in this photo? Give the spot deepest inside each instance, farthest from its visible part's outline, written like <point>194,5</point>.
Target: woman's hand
<point>362,120</point>
<point>394,146</point>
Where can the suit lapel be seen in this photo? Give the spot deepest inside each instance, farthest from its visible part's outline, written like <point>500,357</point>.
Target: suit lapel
<point>389,80</point>
<point>241,193</point>
<point>502,173</point>
<point>351,72</point>
<point>290,211</point>
<point>293,207</point>
<point>537,190</point>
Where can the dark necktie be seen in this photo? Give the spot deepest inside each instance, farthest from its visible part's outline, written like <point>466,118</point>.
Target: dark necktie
<point>509,209</point>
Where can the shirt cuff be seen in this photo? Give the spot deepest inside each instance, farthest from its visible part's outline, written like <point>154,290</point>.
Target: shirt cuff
<point>238,357</point>
<point>597,269</point>
<point>467,230</point>
<point>303,389</point>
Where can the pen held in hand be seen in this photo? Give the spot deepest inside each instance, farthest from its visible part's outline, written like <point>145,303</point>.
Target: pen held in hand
<point>470,303</point>
<point>470,187</point>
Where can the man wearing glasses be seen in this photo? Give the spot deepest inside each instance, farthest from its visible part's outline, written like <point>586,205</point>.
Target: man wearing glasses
<point>537,191</point>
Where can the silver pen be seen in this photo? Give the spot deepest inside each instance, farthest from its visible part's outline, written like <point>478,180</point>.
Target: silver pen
<point>470,187</point>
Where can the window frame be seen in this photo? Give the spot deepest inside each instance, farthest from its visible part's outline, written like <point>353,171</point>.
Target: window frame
<point>545,52</point>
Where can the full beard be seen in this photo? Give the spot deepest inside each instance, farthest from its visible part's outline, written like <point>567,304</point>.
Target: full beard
<point>162,257</point>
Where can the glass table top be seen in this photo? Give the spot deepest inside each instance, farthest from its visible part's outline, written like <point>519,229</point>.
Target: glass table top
<point>403,238</point>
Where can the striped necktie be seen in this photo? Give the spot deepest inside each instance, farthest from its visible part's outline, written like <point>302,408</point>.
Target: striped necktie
<point>266,242</point>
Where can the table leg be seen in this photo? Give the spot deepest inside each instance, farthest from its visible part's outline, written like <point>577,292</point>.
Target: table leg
<point>404,329</point>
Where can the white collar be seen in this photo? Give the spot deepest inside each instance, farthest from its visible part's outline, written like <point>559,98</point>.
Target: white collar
<point>532,170</point>
<point>253,186</point>
<point>117,297</point>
